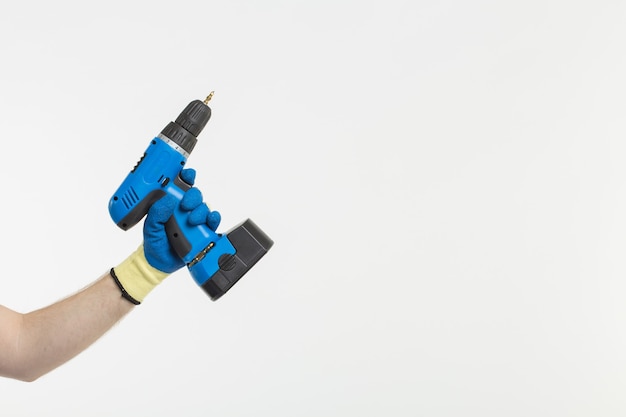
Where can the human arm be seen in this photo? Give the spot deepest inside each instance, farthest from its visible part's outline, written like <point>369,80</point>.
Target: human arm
<point>37,342</point>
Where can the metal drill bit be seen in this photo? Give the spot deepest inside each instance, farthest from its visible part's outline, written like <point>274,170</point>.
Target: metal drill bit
<point>209,97</point>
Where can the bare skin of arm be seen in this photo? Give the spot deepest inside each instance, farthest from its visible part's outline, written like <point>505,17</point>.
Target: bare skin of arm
<point>35,343</point>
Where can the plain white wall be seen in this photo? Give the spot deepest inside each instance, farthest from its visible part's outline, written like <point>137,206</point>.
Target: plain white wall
<point>444,182</point>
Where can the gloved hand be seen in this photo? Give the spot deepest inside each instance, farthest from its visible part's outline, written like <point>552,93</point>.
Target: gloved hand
<point>155,259</point>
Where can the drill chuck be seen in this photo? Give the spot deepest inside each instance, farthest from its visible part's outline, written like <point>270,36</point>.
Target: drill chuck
<point>185,129</point>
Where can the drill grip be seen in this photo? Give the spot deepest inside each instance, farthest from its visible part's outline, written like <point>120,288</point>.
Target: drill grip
<point>175,233</point>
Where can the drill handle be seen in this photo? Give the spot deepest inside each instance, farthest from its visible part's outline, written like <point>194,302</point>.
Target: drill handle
<point>175,233</point>
<point>186,239</point>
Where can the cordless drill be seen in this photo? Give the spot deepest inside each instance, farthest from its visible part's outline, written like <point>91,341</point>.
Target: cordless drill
<point>216,261</point>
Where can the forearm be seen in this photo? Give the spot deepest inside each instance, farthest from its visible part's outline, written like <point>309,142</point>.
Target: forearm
<point>51,336</point>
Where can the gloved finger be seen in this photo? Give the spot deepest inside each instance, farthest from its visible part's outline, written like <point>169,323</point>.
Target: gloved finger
<point>198,215</point>
<point>188,175</point>
<point>213,220</point>
<point>191,199</point>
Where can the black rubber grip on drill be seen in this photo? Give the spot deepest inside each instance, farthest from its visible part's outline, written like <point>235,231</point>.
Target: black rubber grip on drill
<point>188,125</point>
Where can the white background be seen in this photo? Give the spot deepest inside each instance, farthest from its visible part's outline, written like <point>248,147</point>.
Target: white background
<point>444,181</point>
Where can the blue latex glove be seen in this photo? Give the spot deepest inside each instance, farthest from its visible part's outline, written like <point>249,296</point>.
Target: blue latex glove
<point>157,248</point>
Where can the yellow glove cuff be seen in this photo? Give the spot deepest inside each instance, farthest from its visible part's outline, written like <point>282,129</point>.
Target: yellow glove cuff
<point>136,277</point>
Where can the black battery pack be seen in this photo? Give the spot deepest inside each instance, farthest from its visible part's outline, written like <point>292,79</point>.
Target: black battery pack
<point>250,244</point>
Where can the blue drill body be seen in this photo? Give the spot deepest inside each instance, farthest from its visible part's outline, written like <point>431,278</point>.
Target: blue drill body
<point>216,261</point>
